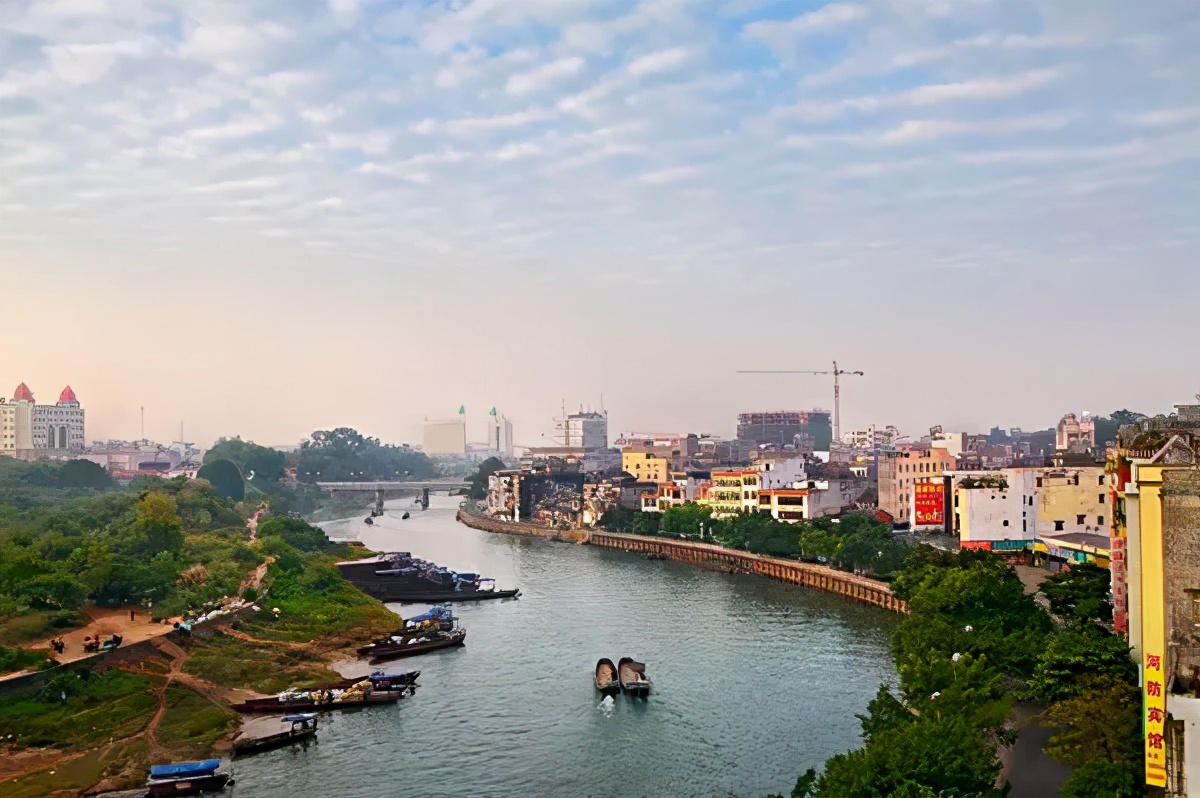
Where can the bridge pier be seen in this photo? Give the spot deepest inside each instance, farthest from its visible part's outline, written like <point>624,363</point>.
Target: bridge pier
<point>424,498</point>
<point>379,501</point>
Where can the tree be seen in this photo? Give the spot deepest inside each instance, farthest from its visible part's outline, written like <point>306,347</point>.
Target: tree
<point>296,533</point>
<point>265,464</point>
<point>157,526</point>
<point>1103,723</point>
<point>84,474</point>
<point>479,482</point>
<point>1118,780</point>
<point>344,454</point>
<point>225,479</point>
<point>1076,653</point>
<point>1080,593</point>
<point>684,520</point>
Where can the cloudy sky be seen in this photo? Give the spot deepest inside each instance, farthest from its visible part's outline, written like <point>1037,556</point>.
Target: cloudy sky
<point>262,218</point>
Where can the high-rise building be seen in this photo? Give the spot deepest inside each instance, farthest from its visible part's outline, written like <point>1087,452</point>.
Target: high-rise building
<point>586,430</point>
<point>1075,434</point>
<point>780,428</point>
<point>500,434</point>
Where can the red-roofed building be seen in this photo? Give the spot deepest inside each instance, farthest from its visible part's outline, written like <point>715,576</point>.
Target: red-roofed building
<point>29,430</point>
<point>23,394</point>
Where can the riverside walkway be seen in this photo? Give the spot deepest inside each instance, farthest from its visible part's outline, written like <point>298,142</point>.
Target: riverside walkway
<point>820,577</point>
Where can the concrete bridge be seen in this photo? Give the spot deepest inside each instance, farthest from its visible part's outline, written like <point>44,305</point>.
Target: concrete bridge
<point>381,491</point>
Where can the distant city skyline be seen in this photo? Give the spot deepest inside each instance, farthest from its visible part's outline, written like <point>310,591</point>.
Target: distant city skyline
<point>264,219</point>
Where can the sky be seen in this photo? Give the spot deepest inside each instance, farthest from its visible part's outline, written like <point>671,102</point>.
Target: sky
<point>265,218</point>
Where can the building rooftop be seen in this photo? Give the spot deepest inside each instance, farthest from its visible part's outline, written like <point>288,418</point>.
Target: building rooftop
<point>23,394</point>
<point>1078,539</point>
<point>67,396</point>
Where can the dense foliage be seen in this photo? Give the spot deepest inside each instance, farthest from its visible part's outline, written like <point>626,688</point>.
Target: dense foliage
<point>226,479</point>
<point>973,641</point>
<point>479,480</point>
<point>854,542</point>
<point>259,464</point>
<point>1080,594</point>
<point>344,455</point>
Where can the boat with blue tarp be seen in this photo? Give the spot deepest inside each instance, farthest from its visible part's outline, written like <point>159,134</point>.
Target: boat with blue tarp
<point>187,778</point>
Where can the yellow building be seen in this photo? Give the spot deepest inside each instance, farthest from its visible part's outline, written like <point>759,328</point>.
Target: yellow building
<point>1072,499</point>
<point>733,492</point>
<point>1158,510</point>
<point>646,467</point>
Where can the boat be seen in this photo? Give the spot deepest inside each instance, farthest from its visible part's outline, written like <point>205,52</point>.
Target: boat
<point>421,645</point>
<point>606,677</point>
<point>632,675</point>
<point>398,576</point>
<point>360,694</point>
<point>405,517</point>
<point>433,620</point>
<point>369,521</point>
<point>303,727</point>
<point>393,680</point>
<point>187,778</point>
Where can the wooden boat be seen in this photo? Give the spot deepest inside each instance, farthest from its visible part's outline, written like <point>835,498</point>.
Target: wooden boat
<point>303,727</point>
<point>319,700</point>
<point>392,680</point>
<point>632,675</point>
<point>606,677</point>
<point>432,642</point>
<point>187,778</point>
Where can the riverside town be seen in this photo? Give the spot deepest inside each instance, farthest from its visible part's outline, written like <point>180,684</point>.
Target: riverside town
<point>600,399</point>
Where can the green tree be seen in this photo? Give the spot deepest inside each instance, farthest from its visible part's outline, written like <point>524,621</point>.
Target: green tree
<point>157,526</point>
<point>344,454</point>
<point>225,479</point>
<point>479,481</point>
<point>1104,780</point>
<point>84,474</point>
<point>298,534</point>
<point>1102,723</point>
<point>265,464</point>
<point>1078,653</point>
<point>684,520</point>
<point>1081,593</point>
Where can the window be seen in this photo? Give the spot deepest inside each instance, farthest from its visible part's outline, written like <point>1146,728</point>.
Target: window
<point>1039,482</point>
<point>1100,481</point>
<point>1005,522</point>
<point>1100,498</point>
<point>1080,520</point>
<point>1099,520</point>
<point>1030,501</point>
<point>1058,526</point>
<point>1024,525</point>
<point>1195,594</point>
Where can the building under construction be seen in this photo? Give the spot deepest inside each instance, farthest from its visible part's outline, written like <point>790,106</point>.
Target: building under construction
<point>782,427</point>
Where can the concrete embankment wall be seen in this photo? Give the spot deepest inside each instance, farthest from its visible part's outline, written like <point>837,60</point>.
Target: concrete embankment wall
<point>868,591</point>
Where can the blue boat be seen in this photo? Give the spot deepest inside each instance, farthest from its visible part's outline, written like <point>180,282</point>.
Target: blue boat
<point>180,770</point>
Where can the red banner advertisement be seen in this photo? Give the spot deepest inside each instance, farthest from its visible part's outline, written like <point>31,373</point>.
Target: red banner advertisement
<point>929,504</point>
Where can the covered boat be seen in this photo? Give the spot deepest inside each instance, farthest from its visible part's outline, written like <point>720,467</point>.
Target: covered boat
<point>420,645</point>
<point>187,778</point>
<point>401,577</point>
<point>632,675</point>
<point>303,727</point>
<point>606,677</point>
<point>361,693</point>
<point>392,680</point>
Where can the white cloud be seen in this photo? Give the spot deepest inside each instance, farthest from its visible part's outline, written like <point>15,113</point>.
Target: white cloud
<point>661,61</point>
<point>253,183</point>
<point>979,89</point>
<point>370,142</point>
<point>916,130</point>
<point>544,75</point>
<point>779,34</point>
<point>235,130</point>
<point>80,64</point>
<point>1163,117</point>
<point>522,149</point>
<point>663,176</point>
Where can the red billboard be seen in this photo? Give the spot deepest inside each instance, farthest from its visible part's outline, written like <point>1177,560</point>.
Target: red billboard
<point>929,504</point>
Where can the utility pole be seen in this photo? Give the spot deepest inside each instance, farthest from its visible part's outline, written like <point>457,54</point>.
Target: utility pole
<point>837,391</point>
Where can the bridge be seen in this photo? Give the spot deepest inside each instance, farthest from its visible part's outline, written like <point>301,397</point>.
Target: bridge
<point>381,491</point>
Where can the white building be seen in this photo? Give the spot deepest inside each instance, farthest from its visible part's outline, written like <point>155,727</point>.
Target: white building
<point>586,430</point>
<point>500,434</point>
<point>59,426</point>
<point>953,442</point>
<point>16,425</point>
<point>995,505</point>
<point>445,437</point>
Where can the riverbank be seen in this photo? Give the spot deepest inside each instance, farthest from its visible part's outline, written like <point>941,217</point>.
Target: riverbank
<point>819,577</point>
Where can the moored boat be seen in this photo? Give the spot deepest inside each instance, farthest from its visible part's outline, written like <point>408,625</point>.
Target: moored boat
<point>402,577</point>
<point>303,727</point>
<point>421,645</point>
<point>436,619</point>
<point>606,677</point>
<point>391,680</point>
<point>361,693</point>
<point>187,778</point>
<point>632,675</point>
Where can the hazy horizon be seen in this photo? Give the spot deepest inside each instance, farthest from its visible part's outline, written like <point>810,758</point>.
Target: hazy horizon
<point>264,219</point>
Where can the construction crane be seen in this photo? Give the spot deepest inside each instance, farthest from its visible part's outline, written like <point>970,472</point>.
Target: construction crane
<point>837,398</point>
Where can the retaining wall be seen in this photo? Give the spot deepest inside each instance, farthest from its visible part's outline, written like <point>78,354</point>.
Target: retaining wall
<point>858,588</point>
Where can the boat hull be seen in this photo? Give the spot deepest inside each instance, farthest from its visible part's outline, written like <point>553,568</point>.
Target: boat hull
<point>632,676</point>
<point>399,652</point>
<point>275,705</point>
<point>400,593</point>
<point>189,786</point>
<point>272,741</point>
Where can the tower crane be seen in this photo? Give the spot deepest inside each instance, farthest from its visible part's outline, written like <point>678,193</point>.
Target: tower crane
<point>837,399</point>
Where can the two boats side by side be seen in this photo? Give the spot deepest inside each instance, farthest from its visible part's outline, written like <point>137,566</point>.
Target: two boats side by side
<point>399,576</point>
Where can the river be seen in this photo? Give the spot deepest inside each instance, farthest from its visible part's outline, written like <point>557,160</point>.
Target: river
<point>754,681</point>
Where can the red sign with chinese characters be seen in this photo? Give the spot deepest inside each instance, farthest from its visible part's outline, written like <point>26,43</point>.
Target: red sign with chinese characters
<point>929,504</point>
